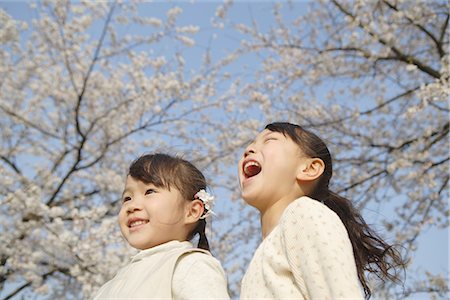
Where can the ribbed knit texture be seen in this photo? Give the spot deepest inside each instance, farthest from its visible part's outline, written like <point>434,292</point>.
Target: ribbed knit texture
<point>308,255</point>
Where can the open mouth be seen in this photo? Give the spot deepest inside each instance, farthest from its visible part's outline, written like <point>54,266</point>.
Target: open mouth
<point>136,222</point>
<point>251,168</point>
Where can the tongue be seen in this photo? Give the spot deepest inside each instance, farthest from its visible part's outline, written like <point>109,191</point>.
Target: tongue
<point>252,170</point>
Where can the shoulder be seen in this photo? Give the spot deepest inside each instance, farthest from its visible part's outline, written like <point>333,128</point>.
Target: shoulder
<point>306,208</point>
<point>199,275</point>
<point>188,255</point>
<point>198,260</point>
<point>308,215</point>
<point>197,256</point>
<point>319,251</point>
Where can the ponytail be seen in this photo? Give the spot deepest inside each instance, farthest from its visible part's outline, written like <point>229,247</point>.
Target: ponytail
<point>371,252</point>
<point>203,240</point>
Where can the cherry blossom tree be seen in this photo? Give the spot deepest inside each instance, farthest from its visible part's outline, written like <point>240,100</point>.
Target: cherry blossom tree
<point>88,86</point>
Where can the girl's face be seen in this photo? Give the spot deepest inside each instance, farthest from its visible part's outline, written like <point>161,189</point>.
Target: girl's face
<point>268,170</point>
<point>151,216</point>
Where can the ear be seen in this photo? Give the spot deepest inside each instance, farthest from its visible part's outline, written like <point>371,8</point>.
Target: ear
<point>310,169</point>
<point>194,211</point>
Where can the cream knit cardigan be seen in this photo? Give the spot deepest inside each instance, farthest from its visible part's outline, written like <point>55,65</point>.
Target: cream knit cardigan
<point>308,255</point>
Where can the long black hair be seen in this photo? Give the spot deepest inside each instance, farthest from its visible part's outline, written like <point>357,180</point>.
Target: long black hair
<point>371,252</point>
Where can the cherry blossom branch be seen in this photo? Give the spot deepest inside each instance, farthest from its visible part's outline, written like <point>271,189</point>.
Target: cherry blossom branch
<point>362,181</point>
<point>11,164</point>
<point>444,29</point>
<point>406,58</point>
<point>437,42</point>
<point>29,123</point>
<point>368,111</point>
<point>91,67</point>
<point>27,284</point>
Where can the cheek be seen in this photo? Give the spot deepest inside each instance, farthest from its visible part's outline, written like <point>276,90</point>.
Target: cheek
<point>167,213</point>
<point>239,170</point>
<point>281,171</point>
<point>121,215</point>
<point>121,221</point>
<point>175,209</point>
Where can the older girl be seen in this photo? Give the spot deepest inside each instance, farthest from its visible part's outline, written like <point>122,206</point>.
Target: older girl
<point>315,244</point>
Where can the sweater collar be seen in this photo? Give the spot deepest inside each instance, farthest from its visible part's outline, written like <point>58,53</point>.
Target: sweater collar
<point>161,248</point>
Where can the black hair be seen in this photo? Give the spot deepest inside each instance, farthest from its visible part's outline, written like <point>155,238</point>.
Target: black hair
<point>166,171</point>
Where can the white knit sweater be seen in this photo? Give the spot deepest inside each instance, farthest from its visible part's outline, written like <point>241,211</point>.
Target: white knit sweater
<point>174,270</point>
<point>308,255</point>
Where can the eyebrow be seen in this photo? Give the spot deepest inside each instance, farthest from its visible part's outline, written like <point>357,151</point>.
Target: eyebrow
<point>125,191</point>
<point>267,133</point>
<point>259,136</point>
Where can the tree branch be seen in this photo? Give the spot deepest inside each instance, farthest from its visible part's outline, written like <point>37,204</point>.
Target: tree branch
<point>444,29</point>
<point>441,133</point>
<point>437,42</point>
<point>369,111</point>
<point>68,174</point>
<point>353,185</point>
<point>11,164</point>
<point>28,123</point>
<point>20,288</point>
<point>406,58</point>
<point>91,67</point>
<point>83,136</point>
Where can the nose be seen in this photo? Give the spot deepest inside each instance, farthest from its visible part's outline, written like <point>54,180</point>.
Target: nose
<point>133,206</point>
<point>249,150</point>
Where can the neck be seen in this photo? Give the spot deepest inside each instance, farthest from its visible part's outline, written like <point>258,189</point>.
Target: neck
<point>270,216</point>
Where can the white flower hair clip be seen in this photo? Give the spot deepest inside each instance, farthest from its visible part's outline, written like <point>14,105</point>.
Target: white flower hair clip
<point>207,200</point>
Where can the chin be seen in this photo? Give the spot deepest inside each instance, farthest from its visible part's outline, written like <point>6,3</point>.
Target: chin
<point>252,201</point>
<point>141,246</point>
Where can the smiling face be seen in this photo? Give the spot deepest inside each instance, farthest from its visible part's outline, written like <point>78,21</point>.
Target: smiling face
<point>268,170</point>
<point>152,215</point>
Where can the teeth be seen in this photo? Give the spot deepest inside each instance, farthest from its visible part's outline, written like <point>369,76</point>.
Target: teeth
<point>137,223</point>
<point>252,168</point>
<point>251,163</point>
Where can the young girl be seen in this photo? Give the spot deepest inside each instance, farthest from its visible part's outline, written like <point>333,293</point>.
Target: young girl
<point>315,244</point>
<point>164,204</point>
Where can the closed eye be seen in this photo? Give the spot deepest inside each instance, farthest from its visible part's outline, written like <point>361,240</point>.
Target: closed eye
<point>270,139</point>
<point>125,199</point>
